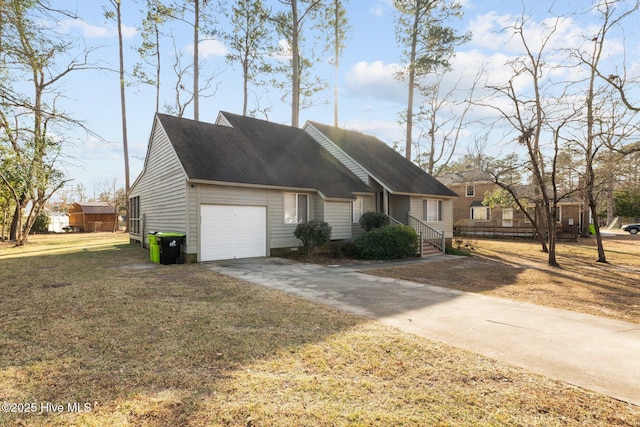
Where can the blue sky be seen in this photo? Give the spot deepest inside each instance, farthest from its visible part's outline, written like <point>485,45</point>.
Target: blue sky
<point>370,98</point>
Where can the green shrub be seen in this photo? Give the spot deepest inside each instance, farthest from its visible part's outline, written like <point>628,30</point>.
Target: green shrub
<point>371,220</point>
<point>313,234</point>
<point>41,224</point>
<point>388,242</point>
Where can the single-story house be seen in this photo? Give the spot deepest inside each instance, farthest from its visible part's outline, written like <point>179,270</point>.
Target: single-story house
<point>239,187</point>
<point>93,216</point>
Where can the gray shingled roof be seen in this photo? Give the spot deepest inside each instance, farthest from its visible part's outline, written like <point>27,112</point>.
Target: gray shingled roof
<point>385,164</point>
<point>96,208</point>
<point>258,152</point>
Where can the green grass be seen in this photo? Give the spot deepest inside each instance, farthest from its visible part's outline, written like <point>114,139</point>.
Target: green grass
<point>88,319</point>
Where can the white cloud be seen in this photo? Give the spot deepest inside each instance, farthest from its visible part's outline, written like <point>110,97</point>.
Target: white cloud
<point>284,52</point>
<point>209,48</point>
<point>378,10</point>
<point>375,80</point>
<point>381,7</point>
<point>94,31</point>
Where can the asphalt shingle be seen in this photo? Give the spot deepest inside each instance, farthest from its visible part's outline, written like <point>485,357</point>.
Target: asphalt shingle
<point>384,163</point>
<point>258,152</point>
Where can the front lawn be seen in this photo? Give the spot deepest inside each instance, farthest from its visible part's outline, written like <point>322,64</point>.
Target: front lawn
<point>88,324</point>
<point>518,270</point>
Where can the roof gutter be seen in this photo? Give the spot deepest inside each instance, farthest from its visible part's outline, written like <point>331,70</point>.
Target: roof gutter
<point>194,182</point>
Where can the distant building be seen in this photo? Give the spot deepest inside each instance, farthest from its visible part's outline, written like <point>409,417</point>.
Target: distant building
<point>91,217</point>
<point>57,220</point>
<point>469,210</point>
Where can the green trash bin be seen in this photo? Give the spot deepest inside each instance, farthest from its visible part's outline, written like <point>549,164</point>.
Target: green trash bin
<point>154,246</point>
<point>170,243</point>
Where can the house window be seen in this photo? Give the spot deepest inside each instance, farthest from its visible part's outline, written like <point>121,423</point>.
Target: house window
<point>358,209</point>
<point>134,215</point>
<point>432,210</point>
<point>481,212</point>
<point>296,208</point>
<point>471,191</point>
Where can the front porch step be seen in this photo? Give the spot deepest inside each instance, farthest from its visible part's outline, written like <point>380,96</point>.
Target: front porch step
<point>428,249</point>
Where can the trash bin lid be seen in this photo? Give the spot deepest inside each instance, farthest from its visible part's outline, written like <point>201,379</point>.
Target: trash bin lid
<point>170,234</point>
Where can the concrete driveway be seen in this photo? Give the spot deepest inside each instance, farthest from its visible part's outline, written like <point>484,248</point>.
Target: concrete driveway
<point>591,352</point>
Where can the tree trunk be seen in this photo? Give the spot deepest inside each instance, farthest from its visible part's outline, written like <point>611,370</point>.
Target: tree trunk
<point>336,35</point>
<point>196,67</point>
<point>245,86</point>
<point>412,77</point>
<point>16,221</point>
<point>295,78</point>
<point>123,107</point>
<point>157,68</point>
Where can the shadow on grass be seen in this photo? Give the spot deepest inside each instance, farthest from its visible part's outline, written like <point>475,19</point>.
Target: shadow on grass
<point>104,326</point>
<point>610,290</point>
<point>145,344</point>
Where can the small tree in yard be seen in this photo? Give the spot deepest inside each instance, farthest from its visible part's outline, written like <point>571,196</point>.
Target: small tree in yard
<point>313,234</point>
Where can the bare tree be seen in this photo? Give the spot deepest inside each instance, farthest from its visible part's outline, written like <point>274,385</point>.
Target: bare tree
<point>591,58</point>
<point>529,116</point>
<point>116,14</point>
<point>29,52</point>
<point>427,43</point>
<point>182,95</point>
<point>441,121</point>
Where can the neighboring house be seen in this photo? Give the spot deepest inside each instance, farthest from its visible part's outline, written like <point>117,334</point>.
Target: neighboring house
<point>469,210</point>
<point>402,190</point>
<point>239,187</point>
<point>93,216</point>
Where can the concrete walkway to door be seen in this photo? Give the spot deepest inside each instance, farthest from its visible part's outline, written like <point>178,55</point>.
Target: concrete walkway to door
<point>591,352</point>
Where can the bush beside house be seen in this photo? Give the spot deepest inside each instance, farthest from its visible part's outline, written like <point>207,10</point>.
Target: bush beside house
<point>313,234</point>
<point>387,242</point>
<point>371,220</point>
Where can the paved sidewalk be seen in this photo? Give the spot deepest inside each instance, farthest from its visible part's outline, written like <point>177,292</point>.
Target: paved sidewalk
<point>591,352</point>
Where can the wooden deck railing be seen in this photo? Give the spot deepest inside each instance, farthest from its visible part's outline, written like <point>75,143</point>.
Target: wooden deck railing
<point>428,233</point>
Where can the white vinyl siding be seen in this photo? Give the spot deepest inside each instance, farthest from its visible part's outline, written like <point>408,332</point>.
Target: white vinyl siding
<point>337,215</point>
<point>337,152</point>
<point>162,189</point>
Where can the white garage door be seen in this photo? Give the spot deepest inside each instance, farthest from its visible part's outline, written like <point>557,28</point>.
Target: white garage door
<point>228,232</point>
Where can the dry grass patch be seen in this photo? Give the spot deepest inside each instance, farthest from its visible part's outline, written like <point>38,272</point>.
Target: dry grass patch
<point>88,319</point>
<point>518,270</point>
